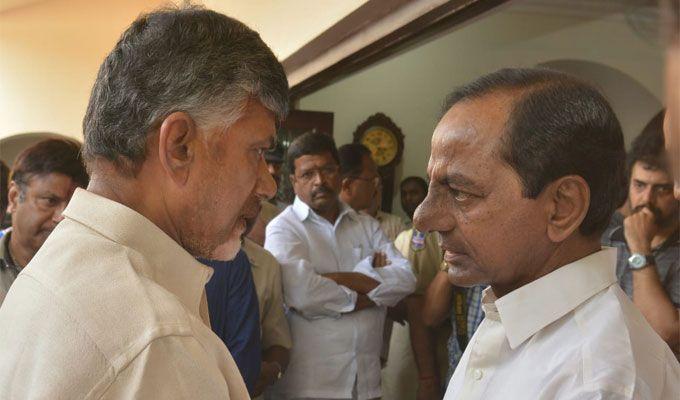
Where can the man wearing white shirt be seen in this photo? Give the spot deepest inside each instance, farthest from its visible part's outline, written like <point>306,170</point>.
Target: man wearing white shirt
<point>526,168</point>
<point>339,274</point>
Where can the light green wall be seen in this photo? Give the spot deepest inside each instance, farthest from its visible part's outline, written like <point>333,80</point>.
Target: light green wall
<point>410,87</point>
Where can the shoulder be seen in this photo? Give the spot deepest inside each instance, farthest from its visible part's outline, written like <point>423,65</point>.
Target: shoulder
<point>259,257</point>
<point>97,290</point>
<point>619,343</point>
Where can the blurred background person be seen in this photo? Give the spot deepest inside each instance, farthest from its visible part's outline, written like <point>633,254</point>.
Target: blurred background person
<point>418,363</point>
<point>671,26</point>
<point>340,272</point>
<point>44,177</point>
<point>647,241</point>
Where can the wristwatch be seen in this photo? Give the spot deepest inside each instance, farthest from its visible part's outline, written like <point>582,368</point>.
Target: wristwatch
<point>639,261</point>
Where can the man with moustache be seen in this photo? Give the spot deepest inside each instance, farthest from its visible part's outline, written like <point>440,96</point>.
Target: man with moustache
<point>525,172</point>
<point>44,177</point>
<point>113,305</point>
<point>340,273</point>
<point>648,268</point>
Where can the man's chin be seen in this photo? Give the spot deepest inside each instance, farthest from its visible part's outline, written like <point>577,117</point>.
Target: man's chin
<point>463,276</point>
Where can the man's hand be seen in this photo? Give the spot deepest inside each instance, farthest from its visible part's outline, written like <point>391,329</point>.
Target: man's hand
<point>429,389</point>
<point>639,229</point>
<point>269,372</point>
<point>380,260</point>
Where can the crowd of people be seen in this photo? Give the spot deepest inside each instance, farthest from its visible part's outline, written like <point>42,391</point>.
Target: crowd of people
<point>539,260</point>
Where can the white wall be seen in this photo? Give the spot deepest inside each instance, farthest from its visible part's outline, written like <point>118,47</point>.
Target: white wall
<point>50,50</point>
<point>411,86</point>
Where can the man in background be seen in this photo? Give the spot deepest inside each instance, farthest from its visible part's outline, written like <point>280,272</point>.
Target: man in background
<point>418,363</point>
<point>4,185</point>
<point>648,264</point>
<point>44,177</point>
<point>340,273</point>
<point>274,328</point>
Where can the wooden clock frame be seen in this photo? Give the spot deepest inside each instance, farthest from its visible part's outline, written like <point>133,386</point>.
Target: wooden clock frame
<point>388,171</point>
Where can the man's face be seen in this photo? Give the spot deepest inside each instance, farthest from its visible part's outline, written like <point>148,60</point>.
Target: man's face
<point>653,188</point>
<point>361,190</point>
<point>412,194</point>
<point>37,211</point>
<point>230,180</point>
<point>316,181</point>
<point>486,241</point>
<point>672,120</point>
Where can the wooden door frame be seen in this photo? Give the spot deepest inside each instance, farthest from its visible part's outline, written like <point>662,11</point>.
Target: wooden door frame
<point>372,32</point>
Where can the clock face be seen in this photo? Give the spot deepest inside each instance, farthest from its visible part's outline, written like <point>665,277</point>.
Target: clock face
<point>382,144</point>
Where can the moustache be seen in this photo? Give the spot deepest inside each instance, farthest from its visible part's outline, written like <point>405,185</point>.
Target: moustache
<point>658,216</point>
<point>321,190</point>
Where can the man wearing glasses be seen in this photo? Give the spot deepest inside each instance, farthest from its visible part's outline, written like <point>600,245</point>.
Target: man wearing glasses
<point>339,275</point>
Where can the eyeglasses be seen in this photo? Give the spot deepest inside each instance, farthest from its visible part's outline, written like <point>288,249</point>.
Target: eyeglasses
<point>375,180</point>
<point>326,172</point>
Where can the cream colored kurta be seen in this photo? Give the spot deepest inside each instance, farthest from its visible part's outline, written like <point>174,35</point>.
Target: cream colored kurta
<point>267,277</point>
<point>111,308</point>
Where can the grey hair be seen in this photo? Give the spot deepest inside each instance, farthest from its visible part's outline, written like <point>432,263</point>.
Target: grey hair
<point>186,59</point>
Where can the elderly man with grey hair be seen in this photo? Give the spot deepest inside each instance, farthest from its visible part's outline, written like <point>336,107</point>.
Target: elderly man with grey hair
<point>113,305</point>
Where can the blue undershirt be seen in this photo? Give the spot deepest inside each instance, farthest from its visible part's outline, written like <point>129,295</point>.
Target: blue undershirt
<point>234,313</point>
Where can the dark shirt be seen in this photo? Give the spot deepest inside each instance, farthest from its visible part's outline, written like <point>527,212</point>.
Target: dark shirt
<point>666,257</point>
<point>234,313</point>
<point>8,269</point>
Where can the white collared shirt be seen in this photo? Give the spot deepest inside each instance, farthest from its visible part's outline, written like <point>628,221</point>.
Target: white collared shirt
<point>572,334</point>
<point>112,308</point>
<point>333,346</point>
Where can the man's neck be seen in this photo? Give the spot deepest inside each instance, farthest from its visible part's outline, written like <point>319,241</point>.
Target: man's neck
<point>21,255</point>
<point>127,192</point>
<point>567,252</point>
<point>331,214</point>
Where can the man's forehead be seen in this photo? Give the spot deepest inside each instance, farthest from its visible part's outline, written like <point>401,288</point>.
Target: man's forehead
<point>314,160</point>
<point>645,172</point>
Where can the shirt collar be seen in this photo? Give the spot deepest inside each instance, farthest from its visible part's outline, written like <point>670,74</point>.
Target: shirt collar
<point>303,211</point>
<point>525,311</point>
<point>165,261</point>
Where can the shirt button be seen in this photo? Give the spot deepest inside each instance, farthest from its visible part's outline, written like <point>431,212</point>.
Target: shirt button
<point>478,374</point>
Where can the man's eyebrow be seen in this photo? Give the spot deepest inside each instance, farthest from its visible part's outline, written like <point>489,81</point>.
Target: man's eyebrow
<point>459,180</point>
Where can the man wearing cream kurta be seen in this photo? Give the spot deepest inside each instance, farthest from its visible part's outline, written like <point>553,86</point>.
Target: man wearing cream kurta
<point>113,305</point>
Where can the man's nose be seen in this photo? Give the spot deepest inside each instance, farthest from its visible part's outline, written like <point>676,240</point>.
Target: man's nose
<point>58,214</point>
<point>424,218</point>
<point>648,196</point>
<point>265,186</point>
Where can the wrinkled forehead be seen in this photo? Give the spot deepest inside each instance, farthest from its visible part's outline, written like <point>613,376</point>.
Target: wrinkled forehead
<point>470,137</point>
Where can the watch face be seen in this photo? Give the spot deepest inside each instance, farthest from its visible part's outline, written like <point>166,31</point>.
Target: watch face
<point>637,261</point>
<point>382,144</point>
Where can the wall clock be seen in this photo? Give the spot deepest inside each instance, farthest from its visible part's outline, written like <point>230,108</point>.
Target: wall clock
<point>386,142</point>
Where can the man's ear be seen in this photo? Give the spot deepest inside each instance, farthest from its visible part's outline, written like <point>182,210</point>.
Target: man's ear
<point>13,195</point>
<point>568,200</point>
<point>177,141</point>
<point>346,185</point>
